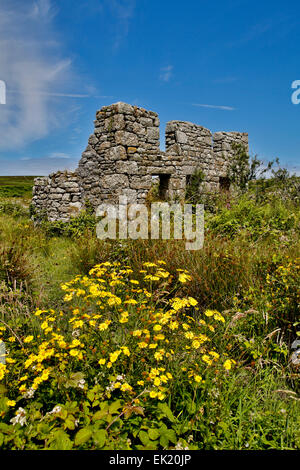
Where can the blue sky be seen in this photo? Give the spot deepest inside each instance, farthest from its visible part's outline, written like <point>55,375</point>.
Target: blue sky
<point>226,65</point>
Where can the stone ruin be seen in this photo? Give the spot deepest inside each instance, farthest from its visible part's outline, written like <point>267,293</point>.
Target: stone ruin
<point>123,158</point>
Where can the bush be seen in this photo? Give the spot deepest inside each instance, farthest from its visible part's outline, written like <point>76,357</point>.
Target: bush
<point>257,221</point>
<point>76,227</point>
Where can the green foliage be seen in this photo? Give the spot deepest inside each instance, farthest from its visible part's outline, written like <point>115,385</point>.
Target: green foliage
<point>244,169</point>
<point>78,226</point>
<point>280,186</point>
<point>13,209</point>
<point>16,186</point>
<point>193,189</point>
<point>248,269</point>
<point>257,221</point>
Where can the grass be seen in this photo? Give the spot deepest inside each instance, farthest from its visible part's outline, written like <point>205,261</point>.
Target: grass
<point>248,270</point>
<point>16,186</point>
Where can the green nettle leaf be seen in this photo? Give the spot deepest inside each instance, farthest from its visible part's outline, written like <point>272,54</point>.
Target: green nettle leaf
<point>171,435</point>
<point>61,441</point>
<point>83,436</point>
<point>164,441</point>
<point>64,414</point>
<point>153,434</point>
<point>164,408</point>
<point>115,407</point>
<point>90,395</point>
<point>70,423</point>
<point>5,427</point>
<point>144,438</point>
<point>100,415</point>
<point>100,437</point>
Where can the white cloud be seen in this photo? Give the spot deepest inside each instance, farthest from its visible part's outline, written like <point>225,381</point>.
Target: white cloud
<point>54,94</point>
<point>35,73</point>
<point>42,10</point>
<point>54,155</point>
<point>166,73</point>
<point>123,10</point>
<point>59,155</point>
<point>213,106</point>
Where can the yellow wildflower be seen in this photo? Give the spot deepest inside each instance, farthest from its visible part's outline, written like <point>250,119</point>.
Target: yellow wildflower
<point>28,339</point>
<point>227,364</point>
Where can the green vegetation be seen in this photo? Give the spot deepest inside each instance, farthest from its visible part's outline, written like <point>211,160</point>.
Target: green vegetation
<point>168,349</point>
<point>16,186</point>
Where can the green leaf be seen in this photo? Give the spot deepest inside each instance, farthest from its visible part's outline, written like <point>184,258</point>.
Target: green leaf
<point>100,437</point>
<point>100,415</point>
<point>83,436</point>
<point>3,390</point>
<point>90,395</point>
<point>5,427</point>
<point>153,434</point>
<point>115,407</point>
<point>164,441</point>
<point>77,376</point>
<point>144,438</point>
<point>70,423</point>
<point>163,407</point>
<point>171,435</point>
<point>191,407</point>
<point>61,441</point>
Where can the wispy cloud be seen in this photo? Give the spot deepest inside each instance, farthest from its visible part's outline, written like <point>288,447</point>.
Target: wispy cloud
<point>42,10</point>
<point>166,73</point>
<point>271,29</point>
<point>54,155</point>
<point>213,106</point>
<point>35,72</point>
<point>123,11</point>
<point>54,94</point>
<point>59,155</point>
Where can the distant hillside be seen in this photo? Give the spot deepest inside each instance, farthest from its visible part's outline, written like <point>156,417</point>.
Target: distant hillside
<point>16,186</point>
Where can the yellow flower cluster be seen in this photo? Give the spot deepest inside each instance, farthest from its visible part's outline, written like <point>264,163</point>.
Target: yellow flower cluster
<point>115,324</point>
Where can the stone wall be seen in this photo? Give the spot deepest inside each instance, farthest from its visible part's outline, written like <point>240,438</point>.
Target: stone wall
<point>58,196</point>
<point>123,157</point>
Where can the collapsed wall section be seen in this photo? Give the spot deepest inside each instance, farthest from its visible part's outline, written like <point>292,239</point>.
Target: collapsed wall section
<point>203,151</point>
<point>57,197</point>
<point>224,147</point>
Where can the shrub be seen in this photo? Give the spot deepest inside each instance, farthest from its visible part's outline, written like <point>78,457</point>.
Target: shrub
<point>257,221</point>
<point>77,226</point>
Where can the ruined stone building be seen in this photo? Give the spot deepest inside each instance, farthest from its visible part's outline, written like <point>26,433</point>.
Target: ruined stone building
<point>123,156</point>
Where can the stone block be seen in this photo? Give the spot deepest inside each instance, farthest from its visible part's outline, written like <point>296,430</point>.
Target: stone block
<point>114,182</point>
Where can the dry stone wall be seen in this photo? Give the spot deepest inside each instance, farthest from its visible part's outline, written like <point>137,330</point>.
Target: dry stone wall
<point>57,196</point>
<point>123,157</point>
